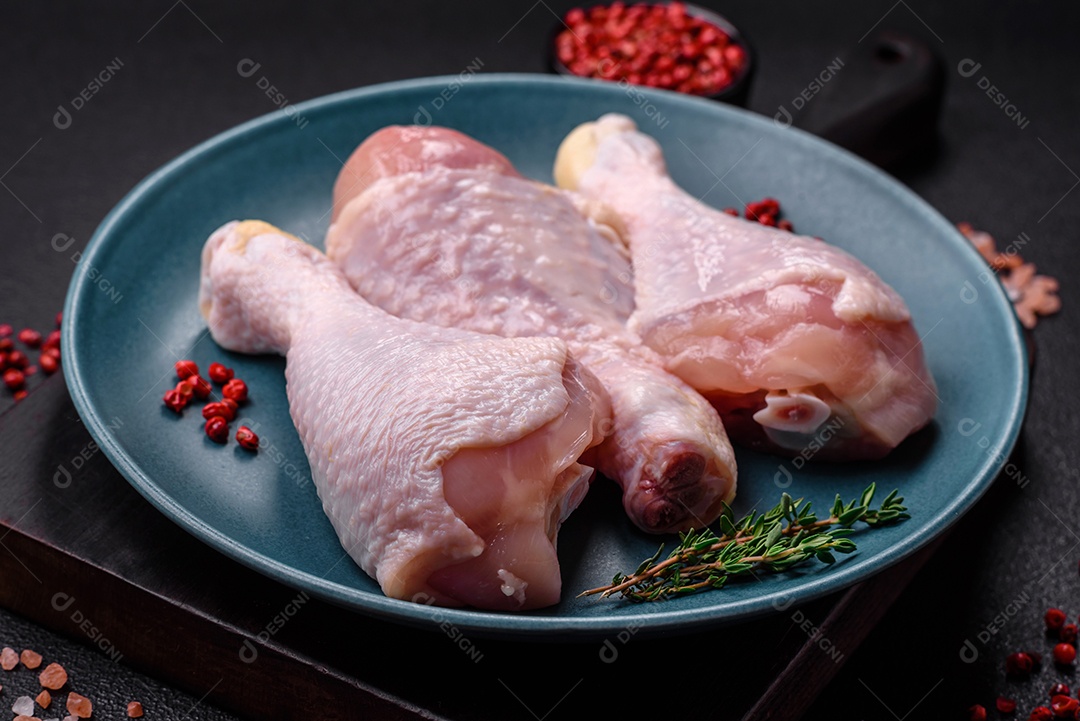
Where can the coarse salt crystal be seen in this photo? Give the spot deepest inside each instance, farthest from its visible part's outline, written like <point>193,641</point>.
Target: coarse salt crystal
<point>8,659</point>
<point>79,705</point>
<point>53,677</point>
<point>30,659</point>
<point>23,706</point>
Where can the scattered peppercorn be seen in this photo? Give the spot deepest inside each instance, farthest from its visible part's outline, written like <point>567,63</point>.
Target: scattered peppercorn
<point>247,438</point>
<point>235,390</point>
<point>1059,689</point>
<point>201,387</point>
<point>14,379</point>
<point>1054,618</point>
<point>1067,633</point>
<point>18,359</point>
<point>1019,664</point>
<point>6,330</point>
<point>1005,705</point>
<point>977,713</point>
<point>1064,706</point>
<point>220,374</point>
<point>186,388</point>
<point>186,369</point>
<point>1064,653</point>
<point>1041,713</point>
<point>217,428</point>
<point>30,338</point>
<point>218,414</point>
<point>48,363</point>
<point>226,411</point>
<point>765,206</point>
<point>52,341</point>
<point>765,211</point>
<point>175,401</point>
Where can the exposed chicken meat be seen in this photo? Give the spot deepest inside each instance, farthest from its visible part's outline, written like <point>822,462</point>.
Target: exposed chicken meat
<point>444,230</point>
<point>444,459</point>
<point>784,334</point>
<point>405,148</point>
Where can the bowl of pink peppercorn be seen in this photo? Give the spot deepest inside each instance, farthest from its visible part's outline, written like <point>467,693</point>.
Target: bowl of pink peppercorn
<point>670,46</point>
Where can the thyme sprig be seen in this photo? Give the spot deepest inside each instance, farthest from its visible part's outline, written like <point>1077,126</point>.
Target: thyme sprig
<point>784,536</point>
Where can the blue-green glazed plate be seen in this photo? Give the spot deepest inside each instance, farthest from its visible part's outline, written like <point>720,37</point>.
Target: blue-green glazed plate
<point>131,312</point>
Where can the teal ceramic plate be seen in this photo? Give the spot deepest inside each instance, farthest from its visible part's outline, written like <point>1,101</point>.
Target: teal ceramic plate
<point>131,313</point>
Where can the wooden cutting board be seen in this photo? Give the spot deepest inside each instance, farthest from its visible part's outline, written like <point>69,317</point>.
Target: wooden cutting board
<point>79,543</point>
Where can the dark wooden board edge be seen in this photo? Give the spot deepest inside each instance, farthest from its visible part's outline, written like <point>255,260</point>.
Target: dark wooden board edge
<point>190,650</point>
<point>836,639</point>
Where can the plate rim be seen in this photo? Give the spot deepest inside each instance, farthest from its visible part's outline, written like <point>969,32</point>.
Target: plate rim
<point>521,625</point>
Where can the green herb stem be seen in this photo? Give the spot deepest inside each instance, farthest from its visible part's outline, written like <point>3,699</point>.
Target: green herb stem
<point>787,535</point>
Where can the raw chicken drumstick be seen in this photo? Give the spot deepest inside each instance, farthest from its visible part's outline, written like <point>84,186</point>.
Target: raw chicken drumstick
<point>793,340</point>
<point>434,226</point>
<point>445,460</point>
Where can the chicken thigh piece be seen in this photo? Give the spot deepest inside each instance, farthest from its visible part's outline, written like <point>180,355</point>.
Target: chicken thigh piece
<point>793,340</point>
<point>445,460</point>
<point>438,227</point>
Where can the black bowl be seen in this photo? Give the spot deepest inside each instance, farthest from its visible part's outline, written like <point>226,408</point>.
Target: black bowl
<point>735,92</point>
